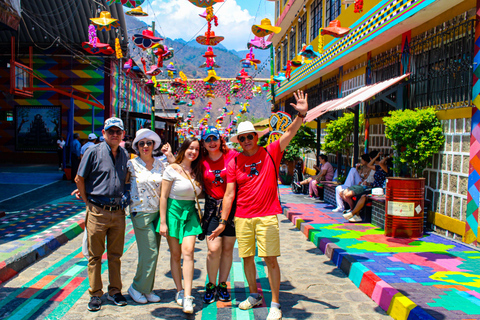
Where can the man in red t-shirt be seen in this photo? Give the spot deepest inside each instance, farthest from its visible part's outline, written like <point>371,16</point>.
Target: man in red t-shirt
<point>254,173</point>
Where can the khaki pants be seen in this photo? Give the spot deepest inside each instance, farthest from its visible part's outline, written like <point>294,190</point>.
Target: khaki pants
<point>103,224</point>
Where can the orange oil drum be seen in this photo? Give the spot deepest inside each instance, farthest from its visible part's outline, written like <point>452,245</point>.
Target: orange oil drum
<point>404,207</point>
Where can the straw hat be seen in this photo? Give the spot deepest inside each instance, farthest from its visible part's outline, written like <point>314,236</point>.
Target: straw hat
<point>136,12</point>
<point>212,76</point>
<point>245,127</point>
<point>335,29</point>
<point>251,58</point>
<point>259,43</point>
<point>309,53</point>
<point>265,28</point>
<point>213,41</point>
<point>105,22</point>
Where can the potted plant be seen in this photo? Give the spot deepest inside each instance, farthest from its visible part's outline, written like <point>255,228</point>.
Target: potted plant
<point>417,135</point>
<point>339,136</point>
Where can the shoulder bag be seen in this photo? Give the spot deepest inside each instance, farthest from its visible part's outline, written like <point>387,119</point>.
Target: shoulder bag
<point>200,215</point>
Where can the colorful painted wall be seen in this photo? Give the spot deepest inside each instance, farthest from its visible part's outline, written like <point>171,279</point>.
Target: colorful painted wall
<point>61,72</point>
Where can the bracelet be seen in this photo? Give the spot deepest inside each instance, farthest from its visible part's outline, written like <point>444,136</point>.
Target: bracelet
<point>222,221</point>
<point>301,116</point>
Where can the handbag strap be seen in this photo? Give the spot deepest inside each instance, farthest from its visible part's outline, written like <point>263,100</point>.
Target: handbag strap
<point>195,192</point>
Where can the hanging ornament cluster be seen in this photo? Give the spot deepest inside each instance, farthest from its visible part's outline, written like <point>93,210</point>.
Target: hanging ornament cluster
<point>358,6</point>
<point>250,60</point>
<point>321,41</point>
<point>210,39</point>
<point>146,40</point>
<point>92,35</point>
<point>118,49</point>
<point>288,70</point>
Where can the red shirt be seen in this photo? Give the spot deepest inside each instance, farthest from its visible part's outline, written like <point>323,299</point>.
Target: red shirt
<point>256,182</point>
<point>215,174</point>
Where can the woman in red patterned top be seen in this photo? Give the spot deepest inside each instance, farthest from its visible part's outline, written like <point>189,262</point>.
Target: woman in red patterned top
<point>215,157</point>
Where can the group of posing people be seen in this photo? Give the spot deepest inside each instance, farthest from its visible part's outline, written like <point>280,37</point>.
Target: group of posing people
<point>241,204</point>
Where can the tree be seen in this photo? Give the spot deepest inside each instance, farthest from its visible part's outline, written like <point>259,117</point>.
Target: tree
<point>339,135</point>
<point>417,136</point>
<point>304,139</point>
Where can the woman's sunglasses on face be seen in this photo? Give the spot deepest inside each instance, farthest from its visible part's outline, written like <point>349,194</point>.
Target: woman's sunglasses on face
<point>141,144</point>
<point>211,138</point>
<point>242,138</point>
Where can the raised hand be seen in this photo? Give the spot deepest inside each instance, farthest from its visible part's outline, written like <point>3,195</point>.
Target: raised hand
<point>302,104</point>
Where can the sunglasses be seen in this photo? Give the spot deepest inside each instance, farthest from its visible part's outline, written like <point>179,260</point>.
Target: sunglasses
<point>211,138</point>
<point>242,138</point>
<point>142,144</point>
<point>114,132</point>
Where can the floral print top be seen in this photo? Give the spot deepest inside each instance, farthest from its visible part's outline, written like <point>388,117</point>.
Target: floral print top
<point>145,185</point>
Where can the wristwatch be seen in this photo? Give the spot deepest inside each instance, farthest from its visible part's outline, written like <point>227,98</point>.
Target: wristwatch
<point>222,221</point>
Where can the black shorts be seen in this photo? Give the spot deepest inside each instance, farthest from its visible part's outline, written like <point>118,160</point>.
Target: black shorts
<point>228,232</point>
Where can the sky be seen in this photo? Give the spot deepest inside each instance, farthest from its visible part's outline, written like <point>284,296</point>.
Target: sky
<point>180,19</point>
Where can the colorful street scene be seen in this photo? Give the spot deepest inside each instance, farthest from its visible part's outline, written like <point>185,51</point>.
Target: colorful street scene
<point>240,159</point>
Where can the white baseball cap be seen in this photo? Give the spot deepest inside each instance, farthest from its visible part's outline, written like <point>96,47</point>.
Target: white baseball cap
<point>245,127</point>
<point>92,136</point>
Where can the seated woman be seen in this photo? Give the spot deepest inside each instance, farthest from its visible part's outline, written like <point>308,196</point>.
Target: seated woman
<point>366,181</point>
<point>355,176</point>
<point>382,171</point>
<point>325,174</point>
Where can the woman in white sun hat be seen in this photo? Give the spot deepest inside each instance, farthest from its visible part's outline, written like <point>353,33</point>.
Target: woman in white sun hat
<point>145,176</point>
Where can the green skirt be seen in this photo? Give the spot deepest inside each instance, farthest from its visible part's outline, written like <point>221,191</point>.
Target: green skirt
<point>182,219</point>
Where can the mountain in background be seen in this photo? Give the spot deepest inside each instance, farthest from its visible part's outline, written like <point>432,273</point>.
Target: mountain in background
<point>188,58</point>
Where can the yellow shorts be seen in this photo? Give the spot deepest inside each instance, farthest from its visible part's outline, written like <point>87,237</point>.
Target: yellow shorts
<point>264,229</point>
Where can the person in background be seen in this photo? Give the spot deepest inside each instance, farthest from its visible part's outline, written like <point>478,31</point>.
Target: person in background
<point>101,183</point>
<point>75,154</point>
<point>215,158</point>
<point>383,169</point>
<point>131,151</point>
<point>325,174</point>
<point>60,145</point>
<point>145,176</point>
<point>92,137</point>
<point>179,219</point>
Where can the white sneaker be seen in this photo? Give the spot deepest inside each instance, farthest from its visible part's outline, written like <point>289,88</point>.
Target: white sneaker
<point>137,296</point>
<point>152,297</point>
<point>355,219</point>
<point>179,297</point>
<point>348,216</point>
<point>274,314</point>
<point>338,209</point>
<point>188,304</point>
<point>250,302</point>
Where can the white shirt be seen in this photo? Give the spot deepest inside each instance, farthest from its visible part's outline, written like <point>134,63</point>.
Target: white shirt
<point>182,188</point>
<point>86,146</point>
<point>61,143</point>
<point>145,185</point>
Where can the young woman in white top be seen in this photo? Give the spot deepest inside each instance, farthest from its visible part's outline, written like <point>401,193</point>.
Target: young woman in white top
<point>179,220</point>
<point>145,178</point>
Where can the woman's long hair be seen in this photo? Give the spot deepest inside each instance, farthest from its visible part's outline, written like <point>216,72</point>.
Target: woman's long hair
<point>196,164</point>
<point>223,147</point>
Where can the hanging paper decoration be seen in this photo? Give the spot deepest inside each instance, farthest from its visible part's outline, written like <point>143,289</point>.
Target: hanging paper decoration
<point>259,43</point>
<point>214,66</point>
<point>105,22</point>
<point>171,70</point>
<point>265,28</point>
<point>243,76</point>
<point>210,39</point>
<point>159,51</point>
<point>204,3</point>
<point>209,55</point>
<point>212,77</point>
<point>320,41</point>
<point>146,40</point>
<point>250,59</point>
<point>154,71</point>
<point>136,12</point>
<point>288,71</point>
<point>358,6</point>
<point>92,35</point>
<point>127,3</point>
<point>118,49</point>
<point>98,48</point>
<point>128,66</point>
<point>335,29</point>
<point>309,53</point>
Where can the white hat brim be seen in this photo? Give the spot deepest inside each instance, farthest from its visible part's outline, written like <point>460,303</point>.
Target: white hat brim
<point>146,134</point>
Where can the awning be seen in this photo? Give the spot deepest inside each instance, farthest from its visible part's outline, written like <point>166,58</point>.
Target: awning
<point>361,95</point>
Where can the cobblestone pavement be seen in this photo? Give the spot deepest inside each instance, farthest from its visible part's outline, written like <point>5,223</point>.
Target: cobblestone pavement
<point>312,287</point>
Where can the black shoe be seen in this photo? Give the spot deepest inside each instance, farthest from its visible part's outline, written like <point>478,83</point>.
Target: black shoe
<point>222,292</point>
<point>95,304</point>
<point>118,299</point>
<point>210,291</point>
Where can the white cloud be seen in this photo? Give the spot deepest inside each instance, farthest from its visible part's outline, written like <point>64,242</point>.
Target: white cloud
<point>180,19</point>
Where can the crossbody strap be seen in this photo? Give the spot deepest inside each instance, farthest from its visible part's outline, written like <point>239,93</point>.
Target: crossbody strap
<point>196,197</point>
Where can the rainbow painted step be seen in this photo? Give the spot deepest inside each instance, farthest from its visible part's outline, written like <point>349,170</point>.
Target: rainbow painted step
<point>28,236</point>
<point>428,278</point>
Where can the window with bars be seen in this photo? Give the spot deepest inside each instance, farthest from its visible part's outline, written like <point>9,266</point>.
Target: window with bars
<point>333,8</point>
<point>330,89</point>
<point>316,11</point>
<point>293,34</point>
<point>302,32</point>
<point>285,52</point>
<point>314,96</point>
<point>278,58</point>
